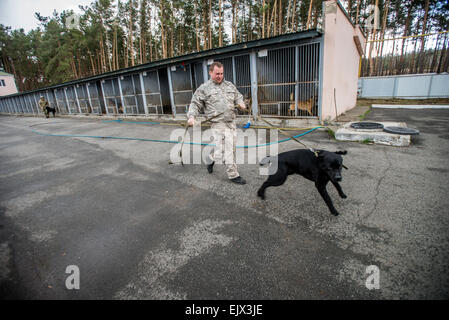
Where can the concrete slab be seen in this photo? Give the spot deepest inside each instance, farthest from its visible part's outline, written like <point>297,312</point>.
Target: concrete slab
<point>377,135</point>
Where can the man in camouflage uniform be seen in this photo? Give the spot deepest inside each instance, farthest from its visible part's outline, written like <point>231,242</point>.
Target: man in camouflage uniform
<point>216,96</point>
<point>43,104</point>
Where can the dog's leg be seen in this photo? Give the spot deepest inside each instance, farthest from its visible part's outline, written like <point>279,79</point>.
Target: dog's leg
<point>261,191</point>
<point>323,192</point>
<point>339,189</point>
<point>274,180</point>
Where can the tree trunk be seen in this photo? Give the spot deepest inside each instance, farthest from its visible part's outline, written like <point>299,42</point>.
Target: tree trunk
<point>163,35</point>
<point>92,63</point>
<point>287,27</point>
<point>210,24</point>
<point>275,17</point>
<point>273,13</point>
<point>280,17</point>
<point>295,18</point>
<point>423,40</point>
<point>370,59</point>
<point>220,30</point>
<point>309,14</point>
<point>205,45</point>
<point>382,32</point>
<point>407,25</point>
<point>197,28</point>
<point>263,19</point>
<point>130,34</point>
<point>443,53</point>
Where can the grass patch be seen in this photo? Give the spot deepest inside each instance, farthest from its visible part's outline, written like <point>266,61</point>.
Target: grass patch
<point>363,116</point>
<point>367,141</point>
<point>331,133</point>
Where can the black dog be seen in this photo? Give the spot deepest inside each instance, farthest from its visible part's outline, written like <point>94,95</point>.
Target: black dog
<point>320,169</point>
<point>52,110</point>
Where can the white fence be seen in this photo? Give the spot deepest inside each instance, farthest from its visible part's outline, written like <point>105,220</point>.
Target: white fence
<point>415,86</point>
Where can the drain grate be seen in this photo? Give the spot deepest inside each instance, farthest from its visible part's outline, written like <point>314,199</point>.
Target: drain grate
<point>367,125</point>
<point>401,130</point>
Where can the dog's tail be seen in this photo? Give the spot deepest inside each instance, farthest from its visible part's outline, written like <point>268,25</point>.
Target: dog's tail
<point>341,152</point>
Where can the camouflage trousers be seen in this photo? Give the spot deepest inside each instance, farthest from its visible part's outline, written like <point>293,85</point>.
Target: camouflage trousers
<point>225,138</point>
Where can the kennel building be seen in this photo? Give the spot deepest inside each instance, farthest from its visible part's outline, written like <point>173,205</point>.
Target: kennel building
<point>308,74</point>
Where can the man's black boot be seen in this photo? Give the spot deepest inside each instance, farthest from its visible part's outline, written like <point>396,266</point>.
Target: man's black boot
<point>210,167</point>
<point>238,180</point>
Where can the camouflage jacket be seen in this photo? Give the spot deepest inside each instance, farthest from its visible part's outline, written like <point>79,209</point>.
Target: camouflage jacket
<point>215,98</point>
<point>43,104</point>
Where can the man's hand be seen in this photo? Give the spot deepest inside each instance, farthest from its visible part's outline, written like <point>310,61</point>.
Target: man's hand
<point>191,121</point>
<point>242,106</point>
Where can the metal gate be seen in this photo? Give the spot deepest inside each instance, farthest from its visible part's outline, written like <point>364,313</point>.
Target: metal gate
<point>180,77</point>
<point>288,81</point>
<point>152,92</point>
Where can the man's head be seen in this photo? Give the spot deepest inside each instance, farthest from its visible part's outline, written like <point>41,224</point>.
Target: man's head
<point>216,72</point>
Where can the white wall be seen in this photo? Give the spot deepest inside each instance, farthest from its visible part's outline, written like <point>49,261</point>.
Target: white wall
<point>341,61</point>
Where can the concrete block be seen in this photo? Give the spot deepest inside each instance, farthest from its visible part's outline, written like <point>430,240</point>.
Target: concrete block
<point>377,136</point>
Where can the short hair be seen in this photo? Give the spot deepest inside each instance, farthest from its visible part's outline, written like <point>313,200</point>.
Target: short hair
<point>215,64</point>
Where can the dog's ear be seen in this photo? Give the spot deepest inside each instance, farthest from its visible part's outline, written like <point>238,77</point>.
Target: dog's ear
<point>341,152</point>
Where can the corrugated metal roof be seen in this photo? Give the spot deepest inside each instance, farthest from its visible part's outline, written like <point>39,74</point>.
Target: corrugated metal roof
<point>245,46</point>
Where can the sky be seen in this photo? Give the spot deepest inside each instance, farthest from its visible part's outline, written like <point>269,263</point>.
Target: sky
<point>20,13</point>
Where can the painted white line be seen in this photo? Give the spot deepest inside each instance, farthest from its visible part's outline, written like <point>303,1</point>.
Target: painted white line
<point>402,106</point>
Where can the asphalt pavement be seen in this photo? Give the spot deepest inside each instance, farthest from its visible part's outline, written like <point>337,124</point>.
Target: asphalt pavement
<point>137,227</point>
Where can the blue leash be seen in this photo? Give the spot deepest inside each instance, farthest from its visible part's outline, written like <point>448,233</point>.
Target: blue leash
<point>164,141</point>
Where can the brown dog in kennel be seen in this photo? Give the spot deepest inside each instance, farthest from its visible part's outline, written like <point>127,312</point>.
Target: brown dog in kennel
<point>302,105</point>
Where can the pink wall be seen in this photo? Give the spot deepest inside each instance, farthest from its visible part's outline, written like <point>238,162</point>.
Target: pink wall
<point>341,61</point>
<point>10,86</point>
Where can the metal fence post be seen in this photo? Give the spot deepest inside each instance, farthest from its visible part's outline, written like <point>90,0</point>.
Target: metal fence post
<point>48,98</point>
<point>56,101</point>
<point>144,96</point>
<point>172,98</point>
<point>67,101</point>
<point>104,98</point>
<point>36,104</point>
<point>135,94</point>
<point>205,71</point>
<point>11,106</point>
<point>115,97</point>
<point>76,97</point>
<point>234,76</point>
<point>320,77</point>
<point>88,96</point>
<point>23,105</point>
<point>253,73</point>
<point>296,79</point>
<point>8,103</point>
<point>160,94</point>
<point>121,95</point>
<point>16,105</point>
